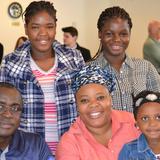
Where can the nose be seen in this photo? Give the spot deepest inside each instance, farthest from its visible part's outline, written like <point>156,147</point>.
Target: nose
<point>7,113</point>
<point>93,103</point>
<point>116,38</point>
<point>152,122</point>
<point>42,31</point>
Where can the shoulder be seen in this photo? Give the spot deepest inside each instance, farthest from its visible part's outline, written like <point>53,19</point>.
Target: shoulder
<point>19,54</point>
<point>83,49</point>
<point>123,116</point>
<point>31,137</point>
<point>68,55</point>
<point>63,50</point>
<point>139,61</point>
<point>141,64</point>
<point>131,146</point>
<point>74,132</point>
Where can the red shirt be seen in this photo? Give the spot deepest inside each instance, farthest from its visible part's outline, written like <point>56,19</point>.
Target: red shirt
<point>79,144</point>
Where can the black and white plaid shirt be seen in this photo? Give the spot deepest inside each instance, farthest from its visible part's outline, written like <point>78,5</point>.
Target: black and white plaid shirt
<point>135,75</point>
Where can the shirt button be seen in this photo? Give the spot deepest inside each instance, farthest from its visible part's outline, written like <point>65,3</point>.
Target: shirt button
<point>123,92</point>
<point>121,71</point>
<point>25,121</point>
<point>124,107</point>
<point>69,82</point>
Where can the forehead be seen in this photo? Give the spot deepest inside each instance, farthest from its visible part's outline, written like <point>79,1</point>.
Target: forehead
<point>116,23</point>
<point>93,87</point>
<point>149,108</point>
<point>9,94</point>
<point>42,16</point>
<point>67,34</point>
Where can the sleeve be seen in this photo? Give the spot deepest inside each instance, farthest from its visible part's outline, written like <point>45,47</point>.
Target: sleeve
<point>4,77</point>
<point>124,153</point>
<point>153,78</point>
<point>67,149</point>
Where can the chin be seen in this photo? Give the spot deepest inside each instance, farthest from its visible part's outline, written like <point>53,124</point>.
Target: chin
<point>5,135</point>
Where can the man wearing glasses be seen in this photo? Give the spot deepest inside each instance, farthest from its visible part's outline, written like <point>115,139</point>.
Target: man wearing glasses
<point>16,144</point>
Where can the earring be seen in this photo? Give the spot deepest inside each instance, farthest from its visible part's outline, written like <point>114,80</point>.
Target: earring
<point>136,126</point>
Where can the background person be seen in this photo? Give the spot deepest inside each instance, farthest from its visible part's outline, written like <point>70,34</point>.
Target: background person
<point>70,39</point>
<point>132,75</point>
<point>151,48</point>
<point>99,132</point>
<point>16,144</point>
<point>147,116</point>
<point>42,70</point>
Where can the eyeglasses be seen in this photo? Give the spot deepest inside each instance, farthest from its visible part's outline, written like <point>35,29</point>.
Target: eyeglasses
<point>14,109</point>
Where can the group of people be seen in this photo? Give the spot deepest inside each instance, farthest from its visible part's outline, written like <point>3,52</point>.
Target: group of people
<point>54,105</point>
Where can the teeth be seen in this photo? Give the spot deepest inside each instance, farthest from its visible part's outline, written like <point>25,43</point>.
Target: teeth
<point>43,42</point>
<point>116,47</point>
<point>95,114</point>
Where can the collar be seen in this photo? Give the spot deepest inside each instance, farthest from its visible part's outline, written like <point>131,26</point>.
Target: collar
<point>118,119</point>
<point>104,63</point>
<point>16,144</point>
<point>142,144</point>
<point>3,153</point>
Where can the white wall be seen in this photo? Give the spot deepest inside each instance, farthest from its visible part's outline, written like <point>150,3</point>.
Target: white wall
<point>70,12</point>
<point>84,14</point>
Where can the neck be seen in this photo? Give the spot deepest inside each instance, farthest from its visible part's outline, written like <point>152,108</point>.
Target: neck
<point>4,142</point>
<point>115,61</point>
<point>73,45</point>
<point>102,134</point>
<point>42,56</point>
<point>154,145</point>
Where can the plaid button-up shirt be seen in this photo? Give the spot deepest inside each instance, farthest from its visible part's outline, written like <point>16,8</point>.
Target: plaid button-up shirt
<point>135,75</point>
<point>16,69</point>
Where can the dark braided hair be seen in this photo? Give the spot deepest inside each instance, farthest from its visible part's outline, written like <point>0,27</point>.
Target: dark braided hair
<point>38,6</point>
<point>110,13</point>
<point>113,12</point>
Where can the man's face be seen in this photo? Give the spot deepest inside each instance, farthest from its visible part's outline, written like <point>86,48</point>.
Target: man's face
<point>69,40</point>
<point>10,111</point>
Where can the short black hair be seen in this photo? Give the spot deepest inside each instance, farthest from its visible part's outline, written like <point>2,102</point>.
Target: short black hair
<point>38,6</point>
<point>10,86</point>
<point>113,12</point>
<point>144,97</point>
<point>72,30</point>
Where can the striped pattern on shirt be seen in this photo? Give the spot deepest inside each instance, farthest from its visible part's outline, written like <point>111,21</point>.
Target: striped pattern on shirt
<point>46,80</point>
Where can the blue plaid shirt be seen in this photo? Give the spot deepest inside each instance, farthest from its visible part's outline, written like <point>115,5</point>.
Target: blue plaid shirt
<point>16,69</point>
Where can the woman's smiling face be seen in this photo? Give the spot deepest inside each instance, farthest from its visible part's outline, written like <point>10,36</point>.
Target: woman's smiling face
<point>94,105</point>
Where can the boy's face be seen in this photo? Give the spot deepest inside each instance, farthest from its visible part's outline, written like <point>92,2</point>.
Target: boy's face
<point>68,39</point>
<point>148,120</point>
